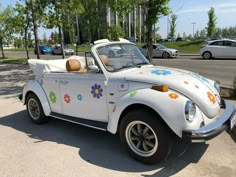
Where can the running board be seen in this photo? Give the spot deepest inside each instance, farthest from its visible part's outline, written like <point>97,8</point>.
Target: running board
<point>81,121</point>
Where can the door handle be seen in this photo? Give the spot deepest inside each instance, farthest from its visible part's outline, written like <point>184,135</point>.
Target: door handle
<point>64,82</point>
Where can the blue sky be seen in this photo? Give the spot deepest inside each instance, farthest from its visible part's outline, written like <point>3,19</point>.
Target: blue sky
<point>188,11</point>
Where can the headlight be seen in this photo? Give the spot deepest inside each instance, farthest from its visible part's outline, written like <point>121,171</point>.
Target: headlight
<point>217,86</point>
<point>190,111</point>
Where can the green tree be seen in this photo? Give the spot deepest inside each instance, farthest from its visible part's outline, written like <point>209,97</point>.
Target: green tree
<point>115,32</point>
<point>153,10</point>
<point>211,26</point>
<point>6,29</point>
<point>173,25</point>
<point>22,23</point>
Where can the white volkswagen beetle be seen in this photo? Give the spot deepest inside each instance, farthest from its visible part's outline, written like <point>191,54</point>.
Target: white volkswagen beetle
<point>125,94</point>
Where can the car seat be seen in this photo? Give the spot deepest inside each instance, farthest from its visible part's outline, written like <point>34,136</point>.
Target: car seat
<point>73,65</point>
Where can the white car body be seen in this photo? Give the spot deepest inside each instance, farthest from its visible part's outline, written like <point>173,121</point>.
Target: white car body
<point>223,48</point>
<point>56,50</point>
<point>161,51</point>
<point>101,98</point>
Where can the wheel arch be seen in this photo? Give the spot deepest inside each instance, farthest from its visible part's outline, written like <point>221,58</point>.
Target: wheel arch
<point>33,87</point>
<point>138,106</point>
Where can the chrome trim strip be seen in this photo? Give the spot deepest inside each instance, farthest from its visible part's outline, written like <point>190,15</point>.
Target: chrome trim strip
<point>78,123</point>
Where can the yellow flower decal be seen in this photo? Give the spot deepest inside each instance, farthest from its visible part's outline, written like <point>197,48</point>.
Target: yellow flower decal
<point>211,97</point>
<point>173,96</point>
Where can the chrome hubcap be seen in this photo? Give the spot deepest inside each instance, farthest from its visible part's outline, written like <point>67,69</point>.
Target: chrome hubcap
<point>207,55</point>
<point>141,138</point>
<point>33,108</point>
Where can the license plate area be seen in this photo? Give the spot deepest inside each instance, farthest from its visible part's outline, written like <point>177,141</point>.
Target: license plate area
<point>233,121</point>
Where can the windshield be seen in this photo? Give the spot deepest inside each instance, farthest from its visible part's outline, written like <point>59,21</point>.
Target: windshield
<point>161,46</point>
<point>120,56</point>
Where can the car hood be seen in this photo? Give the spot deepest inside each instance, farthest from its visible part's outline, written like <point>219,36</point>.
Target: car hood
<point>193,86</point>
<point>68,50</point>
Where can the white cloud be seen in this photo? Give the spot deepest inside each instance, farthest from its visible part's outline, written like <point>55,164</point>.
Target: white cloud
<point>219,8</point>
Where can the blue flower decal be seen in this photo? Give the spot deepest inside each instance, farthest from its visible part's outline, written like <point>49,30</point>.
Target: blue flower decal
<point>96,91</point>
<point>200,77</point>
<point>161,72</point>
<point>79,97</point>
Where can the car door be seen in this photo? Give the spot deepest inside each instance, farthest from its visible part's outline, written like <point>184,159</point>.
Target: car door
<point>216,48</point>
<point>83,95</point>
<point>229,49</point>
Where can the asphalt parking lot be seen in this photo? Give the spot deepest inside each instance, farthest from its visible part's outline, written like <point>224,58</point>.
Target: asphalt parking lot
<point>63,149</point>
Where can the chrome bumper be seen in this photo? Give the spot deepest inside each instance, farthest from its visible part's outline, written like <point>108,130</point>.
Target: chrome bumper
<point>213,129</point>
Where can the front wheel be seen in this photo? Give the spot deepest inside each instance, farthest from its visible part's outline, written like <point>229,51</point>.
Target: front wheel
<point>35,110</point>
<point>145,136</point>
<point>207,55</point>
<point>165,55</point>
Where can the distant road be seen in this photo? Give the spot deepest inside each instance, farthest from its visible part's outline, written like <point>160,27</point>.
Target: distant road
<point>222,70</point>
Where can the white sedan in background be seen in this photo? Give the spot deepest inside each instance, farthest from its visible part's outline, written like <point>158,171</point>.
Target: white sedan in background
<point>56,50</point>
<point>161,51</point>
<point>224,48</point>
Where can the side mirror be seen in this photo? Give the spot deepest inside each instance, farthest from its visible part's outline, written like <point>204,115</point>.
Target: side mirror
<point>94,68</point>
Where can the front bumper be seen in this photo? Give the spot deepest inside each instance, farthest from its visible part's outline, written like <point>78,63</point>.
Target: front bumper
<point>213,129</point>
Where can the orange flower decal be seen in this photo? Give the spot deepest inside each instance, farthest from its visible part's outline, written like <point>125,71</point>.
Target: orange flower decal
<point>211,97</point>
<point>173,96</point>
<point>67,98</point>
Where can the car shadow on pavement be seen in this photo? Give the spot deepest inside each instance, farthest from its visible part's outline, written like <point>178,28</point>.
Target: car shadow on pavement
<point>102,148</point>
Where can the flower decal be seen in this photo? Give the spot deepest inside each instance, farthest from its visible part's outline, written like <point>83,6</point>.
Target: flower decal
<point>211,97</point>
<point>173,96</point>
<point>186,82</point>
<point>200,77</point>
<point>79,97</point>
<point>161,72</point>
<point>52,97</point>
<point>67,98</point>
<point>96,91</point>
<point>133,93</point>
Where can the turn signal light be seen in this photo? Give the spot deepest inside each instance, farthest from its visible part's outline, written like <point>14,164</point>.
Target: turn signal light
<point>161,88</point>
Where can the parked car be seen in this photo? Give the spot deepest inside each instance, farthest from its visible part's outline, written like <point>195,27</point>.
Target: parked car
<point>43,50</point>
<point>146,105</point>
<point>224,48</point>
<point>56,50</point>
<point>133,39</point>
<point>161,51</point>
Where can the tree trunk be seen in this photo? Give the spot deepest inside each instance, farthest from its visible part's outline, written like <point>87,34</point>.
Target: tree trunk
<point>78,34</point>
<point>35,31</point>
<point>61,41</point>
<point>26,43</point>
<point>149,43</point>
<point>1,46</point>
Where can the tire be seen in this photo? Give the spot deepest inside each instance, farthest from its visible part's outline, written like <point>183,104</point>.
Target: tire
<point>207,55</point>
<point>35,110</point>
<point>165,55</point>
<point>151,147</point>
<point>53,53</point>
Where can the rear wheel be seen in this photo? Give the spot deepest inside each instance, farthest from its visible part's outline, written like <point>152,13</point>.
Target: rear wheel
<point>35,110</point>
<point>207,55</point>
<point>165,55</point>
<point>145,137</point>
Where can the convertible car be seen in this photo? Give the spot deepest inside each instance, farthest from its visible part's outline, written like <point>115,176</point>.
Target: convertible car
<point>146,105</point>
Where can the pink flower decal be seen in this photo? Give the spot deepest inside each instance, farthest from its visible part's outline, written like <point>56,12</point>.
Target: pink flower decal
<point>186,82</point>
<point>67,98</point>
